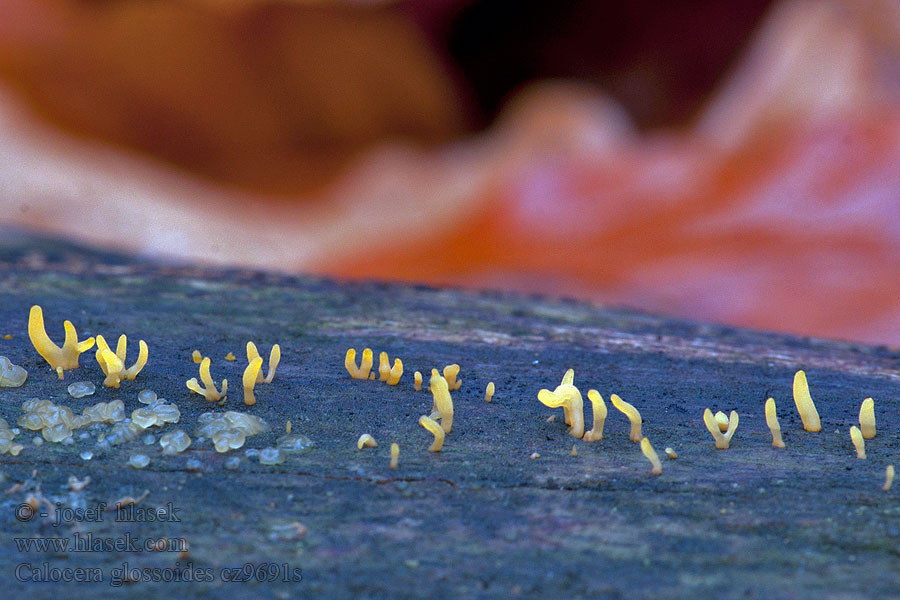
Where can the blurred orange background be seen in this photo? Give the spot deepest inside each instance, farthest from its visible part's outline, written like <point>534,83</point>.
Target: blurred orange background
<point>735,162</point>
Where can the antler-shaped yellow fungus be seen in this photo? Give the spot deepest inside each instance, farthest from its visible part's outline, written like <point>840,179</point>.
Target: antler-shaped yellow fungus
<point>567,396</point>
<point>386,373</point>
<point>440,389</point>
<point>366,440</point>
<point>365,365</point>
<point>417,381</point>
<point>251,376</point>
<point>651,455</point>
<point>633,415</point>
<point>599,406</point>
<point>274,359</point>
<point>867,418</point>
<point>489,392</point>
<point>209,391</point>
<point>808,413</point>
<point>450,373</point>
<point>113,364</point>
<point>432,426</point>
<point>59,358</point>
<point>858,442</point>
<point>722,439</point>
<point>888,478</point>
<point>395,455</point>
<point>772,422</point>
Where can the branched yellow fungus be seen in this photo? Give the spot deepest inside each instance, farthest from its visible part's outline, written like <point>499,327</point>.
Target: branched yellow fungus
<point>366,441</point>
<point>440,389</point>
<point>230,357</point>
<point>251,376</point>
<point>633,416</point>
<point>432,426</point>
<point>599,406</point>
<point>858,442</point>
<point>417,381</point>
<point>888,478</point>
<point>867,418</point>
<point>723,440</point>
<point>671,454</point>
<point>274,359</point>
<point>365,365</point>
<point>772,422</point>
<point>386,373</point>
<point>722,421</point>
<point>805,406</point>
<point>395,455</point>
<point>450,373</point>
<point>569,398</point>
<point>113,364</point>
<point>489,392</point>
<point>651,455</point>
<point>196,357</point>
<point>59,358</point>
<point>209,390</point>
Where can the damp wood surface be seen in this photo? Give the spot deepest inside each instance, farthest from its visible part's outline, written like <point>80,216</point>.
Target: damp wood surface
<point>480,518</point>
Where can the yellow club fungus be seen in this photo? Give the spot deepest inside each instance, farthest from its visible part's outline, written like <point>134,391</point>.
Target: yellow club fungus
<point>671,453</point>
<point>366,441</point>
<point>599,406</point>
<point>489,392</point>
<point>60,373</point>
<point>417,381</point>
<point>888,478</point>
<point>113,364</point>
<point>288,426</point>
<point>534,456</point>
<point>432,426</point>
<point>723,440</point>
<point>450,373</point>
<point>858,442</point>
<point>633,416</point>
<point>386,373</point>
<point>365,365</point>
<point>574,450</point>
<point>59,358</point>
<point>230,357</point>
<point>440,389</point>
<point>196,357</point>
<point>395,455</point>
<point>209,390</point>
<point>651,455</point>
<point>274,359</point>
<point>251,374</point>
<point>867,418</point>
<point>569,398</point>
<point>722,421</point>
<point>808,413</point>
<point>772,422</point>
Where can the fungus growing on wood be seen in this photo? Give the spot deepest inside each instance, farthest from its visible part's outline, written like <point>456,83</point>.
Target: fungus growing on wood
<point>59,358</point>
<point>440,389</point>
<point>365,365</point>
<point>569,398</point>
<point>395,455</point>
<point>60,373</point>
<point>721,420</point>
<point>113,364</point>
<point>651,455</point>
<point>805,406</point>
<point>366,441</point>
<point>209,390</point>
<point>196,357</point>
<point>599,406</point>
<point>432,426</point>
<point>450,373</point>
<point>251,376</point>
<point>417,381</point>
<point>858,442</point>
<point>288,426</point>
<point>723,440</point>
<point>867,418</point>
<point>671,454</point>
<point>386,373</point>
<point>888,478</point>
<point>772,422</point>
<point>633,415</point>
<point>230,357</point>
<point>574,450</point>
<point>489,392</point>
<point>274,359</point>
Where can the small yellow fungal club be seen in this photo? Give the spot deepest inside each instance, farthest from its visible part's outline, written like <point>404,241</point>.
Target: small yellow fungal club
<point>395,455</point>
<point>196,357</point>
<point>366,441</point>
<point>209,390</point>
<point>599,406</point>
<point>274,359</point>
<point>772,422</point>
<point>60,373</point>
<point>365,365</point>
<point>251,374</point>
<point>450,373</point>
<point>433,426</point>
<point>386,373</point>
<point>633,416</point>
<point>230,357</point>
<point>489,392</point>
<point>888,478</point>
<point>440,389</point>
<point>808,413</point>
<point>722,421</point>
<point>574,450</point>
<point>867,418</point>
<point>288,427</point>
<point>569,398</point>
<point>858,442</point>
<point>59,358</point>
<point>671,454</point>
<point>113,364</point>
<point>417,381</point>
<point>534,456</point>
<point>723,440</point>
<point>651,455</point>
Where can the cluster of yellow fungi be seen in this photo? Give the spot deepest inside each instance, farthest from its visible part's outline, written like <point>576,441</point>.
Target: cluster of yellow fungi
<point>567,396</point>
<point>386,373</point>
<point>714,425</point>
<point>60,359</point>
<point>441,410</point>
<point>209,389</point>
<point>253,371</point>
<point>113,363</point>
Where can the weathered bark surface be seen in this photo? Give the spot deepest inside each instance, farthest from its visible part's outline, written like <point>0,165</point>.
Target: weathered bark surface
<point>480,517</point>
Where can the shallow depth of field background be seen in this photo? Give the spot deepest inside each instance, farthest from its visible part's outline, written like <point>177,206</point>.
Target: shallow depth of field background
<point>736,162</point>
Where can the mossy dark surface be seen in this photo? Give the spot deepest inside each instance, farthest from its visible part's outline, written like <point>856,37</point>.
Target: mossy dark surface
<point>481,518</point>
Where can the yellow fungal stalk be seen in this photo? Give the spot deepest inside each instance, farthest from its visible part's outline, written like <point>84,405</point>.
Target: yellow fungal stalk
<point>417,381</point>
<point>569,398</point>
<point>888,478</point>
<point>808,413</point>
<point>59,358</point>
<point>432,426</point>
<point>723,440</point>
<point>386,373</point>
<point>196,357</point>
<point>633,416</point>
<point>599,406</point>
<point>230,357</point>
<point>60,373</point>
<point>251,376</point>
<point>113,364</point>
<point>867,418</point>
<point>395,455</point>
<point>671,454</point>
<point>440,389</point>
<point>366,441</point>
<point>722,421</point>
<point>489,392</point>
<point>274,359</point>
<point>209,390</point>
<point>574,450</point>
<point>287,427</point>
<point>365,365</point>
<point>651,455</point>
<point>450,373</point>
<point>772,422</point>
<point>858,442</point>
